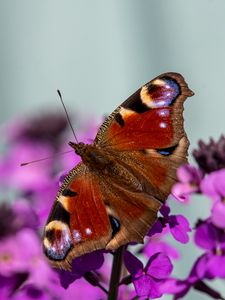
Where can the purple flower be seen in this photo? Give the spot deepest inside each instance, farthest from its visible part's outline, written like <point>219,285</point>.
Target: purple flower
<point>81,290</point>
<point>179,288</point>
<point>177,224</point>
<point>46,128</point>
<point>147,280</point>
<point>15,217</point>
<point>43,199</point>
<point>189,179</point>
<point>156,245</point>
<point>80,266</point>
<point>212,239</point>
<point>20,253</point>
<point>9,285</point>
<point>158,228</point>
<point>24,215</point>
<point>210,157</point>
<point>213,186</point>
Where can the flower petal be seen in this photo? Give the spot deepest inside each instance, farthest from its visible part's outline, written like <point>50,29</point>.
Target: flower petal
<point>174,286</point>
<point>200,268</point>
<point>179,227</point>
<point>81,265</point>
<point>156,246</point>
<point>220,182</point>
<point>218,214</point>
<point>216,266</point>
<point>146,286</point>
<point>157,228</point>
<point>208,185</point>
<point>182,191</point>
<point>159,266</point>
<point>206,236</point>
<point>133,264</point>
<point>187,173</point>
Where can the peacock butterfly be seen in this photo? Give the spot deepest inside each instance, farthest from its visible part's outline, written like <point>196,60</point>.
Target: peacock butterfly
<point>112,197</point>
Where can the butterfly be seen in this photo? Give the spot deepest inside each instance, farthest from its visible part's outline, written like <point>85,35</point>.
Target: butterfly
<point>112,197</point>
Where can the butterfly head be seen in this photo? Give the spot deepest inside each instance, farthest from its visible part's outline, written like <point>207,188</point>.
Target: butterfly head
<point>79,148</point>
<point>91,155</point>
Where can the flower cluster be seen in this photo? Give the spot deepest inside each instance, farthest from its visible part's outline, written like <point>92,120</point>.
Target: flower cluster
<point>27,194</point>
<point>208,180</point>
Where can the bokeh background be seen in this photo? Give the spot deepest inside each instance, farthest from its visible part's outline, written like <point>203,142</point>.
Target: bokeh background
<point>99,52</point>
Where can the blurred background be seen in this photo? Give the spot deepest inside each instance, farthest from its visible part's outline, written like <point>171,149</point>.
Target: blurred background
<point>99,52</point>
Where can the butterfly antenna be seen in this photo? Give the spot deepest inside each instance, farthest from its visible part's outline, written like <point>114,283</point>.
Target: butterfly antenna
<point>45,158</point>
<point>67,115</point>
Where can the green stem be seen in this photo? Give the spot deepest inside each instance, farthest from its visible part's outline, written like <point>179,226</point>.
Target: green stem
<point>115,274</point>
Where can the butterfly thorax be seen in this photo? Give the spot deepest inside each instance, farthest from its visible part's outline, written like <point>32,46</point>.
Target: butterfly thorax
<point>91,156</point>
<point>102,163</point>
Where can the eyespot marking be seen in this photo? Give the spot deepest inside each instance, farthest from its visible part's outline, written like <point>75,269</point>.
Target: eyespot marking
<point>57,240</point>
<point>159,93</point>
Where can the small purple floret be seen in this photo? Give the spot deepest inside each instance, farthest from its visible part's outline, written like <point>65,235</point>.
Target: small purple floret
<point>147,280</point>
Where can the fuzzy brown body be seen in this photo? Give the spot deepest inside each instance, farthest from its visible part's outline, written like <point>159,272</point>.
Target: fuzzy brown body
<point>112,197</point>
<point>104,164</point>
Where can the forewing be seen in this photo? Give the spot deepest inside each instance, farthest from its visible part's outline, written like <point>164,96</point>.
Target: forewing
<point>146,133</point>
<point>150,119</point>
<point>78,222</point>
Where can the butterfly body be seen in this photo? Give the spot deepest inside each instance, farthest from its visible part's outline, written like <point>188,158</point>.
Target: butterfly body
<point>112,197</point>
<point>104,164</point>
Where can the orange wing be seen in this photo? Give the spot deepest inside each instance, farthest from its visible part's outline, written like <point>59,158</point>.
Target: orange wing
<point>150,119</point>
<point>93,213</point>
<point>146,133</point>
<point>78,222</point>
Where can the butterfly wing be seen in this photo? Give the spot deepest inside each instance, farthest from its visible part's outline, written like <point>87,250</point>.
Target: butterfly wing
<point>152,118</point>
<point>92,213</point>
<point>146,136</point>
<point>145,141</point>
<point>134,210</point>
<point>78,222</point>
<point>146,132</point>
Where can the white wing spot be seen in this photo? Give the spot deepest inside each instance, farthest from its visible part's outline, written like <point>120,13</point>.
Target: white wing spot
<point>162,125</point>
<point>77,236</point>
<point>88,231</point>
